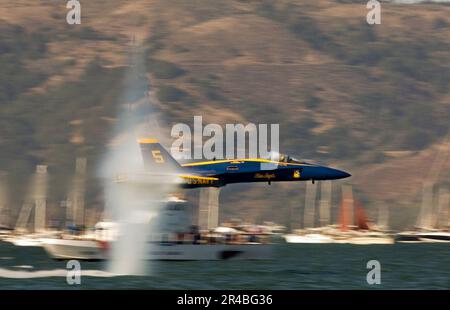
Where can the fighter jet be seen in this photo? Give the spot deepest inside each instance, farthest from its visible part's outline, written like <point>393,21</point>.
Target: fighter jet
<point>218,173</point>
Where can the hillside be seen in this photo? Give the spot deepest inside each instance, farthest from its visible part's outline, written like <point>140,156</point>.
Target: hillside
<point>373,100</point>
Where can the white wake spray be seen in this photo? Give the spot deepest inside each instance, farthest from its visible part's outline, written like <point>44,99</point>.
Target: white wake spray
<point>132,197</point>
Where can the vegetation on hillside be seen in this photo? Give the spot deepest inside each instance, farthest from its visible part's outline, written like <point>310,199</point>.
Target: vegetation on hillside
<point>353,91</point>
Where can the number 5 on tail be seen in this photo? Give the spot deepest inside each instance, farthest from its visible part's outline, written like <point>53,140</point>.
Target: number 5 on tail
<point>157,156</point>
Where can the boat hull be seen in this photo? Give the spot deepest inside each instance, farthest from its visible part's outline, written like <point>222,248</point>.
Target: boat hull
<point>366,240</point>
<point>74,249</point>
<point>323,239</point>
<point>423,237</point>
<point>311,238</point>
<point>93,250</point>
<point>24,241</point>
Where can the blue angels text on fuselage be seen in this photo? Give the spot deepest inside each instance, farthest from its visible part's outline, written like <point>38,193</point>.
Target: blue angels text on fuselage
<point>218,173</point>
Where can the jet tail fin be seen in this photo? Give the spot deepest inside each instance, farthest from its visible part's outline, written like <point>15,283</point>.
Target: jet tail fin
<point>156,157</point>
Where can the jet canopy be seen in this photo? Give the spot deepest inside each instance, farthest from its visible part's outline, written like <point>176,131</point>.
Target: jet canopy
<point>284,158</point>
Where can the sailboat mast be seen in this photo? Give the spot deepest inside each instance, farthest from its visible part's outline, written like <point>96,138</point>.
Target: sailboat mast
<point>383,217</point>
<point>79,193</point>
<point>36,197</point>
<point>325,203</point>
<point>348,204</point>
<point>310,202</point>
<point>208,213</point>
<point>75,204</point>
<point>40,198</point>
<point>4,211</point>
<point>443,208</point>
<point>425,219</point>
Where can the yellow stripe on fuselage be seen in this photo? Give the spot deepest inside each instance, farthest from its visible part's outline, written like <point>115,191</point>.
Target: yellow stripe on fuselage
<point>258,160</point>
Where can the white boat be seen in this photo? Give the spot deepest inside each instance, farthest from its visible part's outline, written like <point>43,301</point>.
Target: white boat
<point>432,222</point>
<point>74,249</point>
<point>28,240</point>
<point>368,239</point>
<point>273,228</point>
<point>174,240</point>
<point>423,237</point>
<point>94,250</point>
<point>5,233</point>
<point>344,233</point>
<point>434,236</point>
<point>407,237</point>
<point>311,234</point>
<point>308,238</point>
<point>350,237</point>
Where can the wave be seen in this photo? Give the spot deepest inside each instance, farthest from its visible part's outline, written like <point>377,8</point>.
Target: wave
<point>13,274</point>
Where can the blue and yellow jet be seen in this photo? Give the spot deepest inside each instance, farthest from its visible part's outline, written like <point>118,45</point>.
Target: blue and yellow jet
<point>219,173</point>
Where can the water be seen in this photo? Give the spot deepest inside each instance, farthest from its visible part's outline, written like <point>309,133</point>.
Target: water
<point>403,266</point>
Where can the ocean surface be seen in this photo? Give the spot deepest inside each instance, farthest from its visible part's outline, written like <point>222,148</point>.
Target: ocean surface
<point>293,266</point>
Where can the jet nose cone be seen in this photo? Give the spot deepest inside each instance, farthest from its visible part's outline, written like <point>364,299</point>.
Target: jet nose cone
<point>325,173</point>
<point>342,174</point>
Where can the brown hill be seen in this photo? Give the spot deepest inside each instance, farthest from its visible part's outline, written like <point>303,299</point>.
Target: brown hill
<point>343,92</point>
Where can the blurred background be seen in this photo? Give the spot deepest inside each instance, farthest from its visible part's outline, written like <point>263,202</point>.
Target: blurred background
<point>370,99</point>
